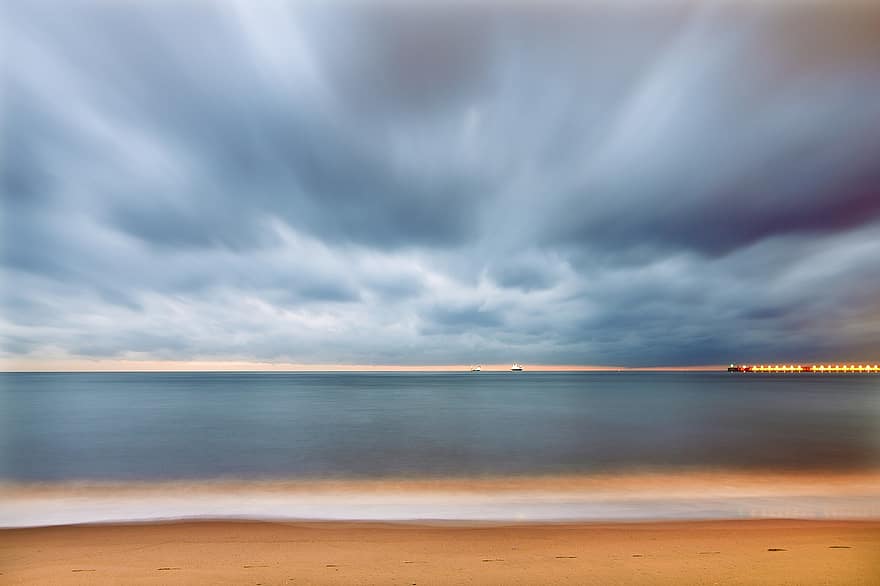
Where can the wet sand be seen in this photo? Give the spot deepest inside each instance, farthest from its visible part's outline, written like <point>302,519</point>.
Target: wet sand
<point>224,552</point>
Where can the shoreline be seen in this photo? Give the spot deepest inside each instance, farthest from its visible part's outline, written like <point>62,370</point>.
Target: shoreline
<point>227,552</point>
<point>614,479</point>
<point>631,497</point>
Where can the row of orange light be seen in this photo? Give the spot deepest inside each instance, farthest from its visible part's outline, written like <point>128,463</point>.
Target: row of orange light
<point>817,368</point>
<point>850,367</point>
<point>778,368</point>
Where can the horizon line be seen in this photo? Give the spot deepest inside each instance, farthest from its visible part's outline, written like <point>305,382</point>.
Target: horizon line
<point>79,365</point>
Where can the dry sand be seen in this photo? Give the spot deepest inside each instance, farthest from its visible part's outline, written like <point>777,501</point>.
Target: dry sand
<point>723,552</point>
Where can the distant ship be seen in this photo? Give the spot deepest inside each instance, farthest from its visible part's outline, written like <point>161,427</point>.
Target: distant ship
<point>516,367</point>
<point>476,368</point>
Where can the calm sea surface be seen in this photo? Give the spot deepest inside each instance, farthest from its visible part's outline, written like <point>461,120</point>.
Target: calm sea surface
<point>167,426</point>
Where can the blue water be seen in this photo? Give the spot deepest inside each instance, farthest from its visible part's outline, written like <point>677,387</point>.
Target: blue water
<point>166,426</point>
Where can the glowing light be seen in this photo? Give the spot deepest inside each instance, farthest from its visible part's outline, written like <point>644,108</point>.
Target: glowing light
<point>808,368</point>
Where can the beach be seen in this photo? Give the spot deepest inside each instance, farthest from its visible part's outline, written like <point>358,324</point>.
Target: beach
<point>438,478</point>
<point>223,552</point>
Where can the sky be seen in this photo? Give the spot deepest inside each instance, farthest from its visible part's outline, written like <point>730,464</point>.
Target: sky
<point>627,183</point>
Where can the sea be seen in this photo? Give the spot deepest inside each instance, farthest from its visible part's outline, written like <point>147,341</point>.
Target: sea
<point>94,447</point>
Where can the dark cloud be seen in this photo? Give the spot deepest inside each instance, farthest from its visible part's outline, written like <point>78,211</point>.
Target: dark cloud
<point>523,273</point>
<point>398,59</point>
<point>572,182</point>
<point>452,318</point>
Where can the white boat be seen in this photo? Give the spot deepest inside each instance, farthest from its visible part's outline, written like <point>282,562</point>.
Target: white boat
<point>516,367</point>
<point>476,368</point>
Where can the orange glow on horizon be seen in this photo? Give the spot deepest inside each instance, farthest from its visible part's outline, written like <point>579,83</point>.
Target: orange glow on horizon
<point>127,365</point>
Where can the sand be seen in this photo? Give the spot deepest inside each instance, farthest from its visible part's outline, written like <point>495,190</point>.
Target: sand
<point>224,552</point>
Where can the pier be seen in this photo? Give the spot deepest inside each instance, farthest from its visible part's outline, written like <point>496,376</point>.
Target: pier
<point>817,368</point>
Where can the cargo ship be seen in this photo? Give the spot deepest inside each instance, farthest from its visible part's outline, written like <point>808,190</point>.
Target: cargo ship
<point>818,368</point>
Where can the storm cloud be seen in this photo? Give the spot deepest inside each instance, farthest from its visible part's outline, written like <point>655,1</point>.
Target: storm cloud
<point>585,183</point>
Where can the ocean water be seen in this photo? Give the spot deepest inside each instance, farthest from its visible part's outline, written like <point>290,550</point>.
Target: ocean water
<point>170,426</point>
<point>89,447</point>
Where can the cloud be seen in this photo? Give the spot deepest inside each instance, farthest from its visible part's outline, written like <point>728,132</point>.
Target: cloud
<point>579,183</point>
